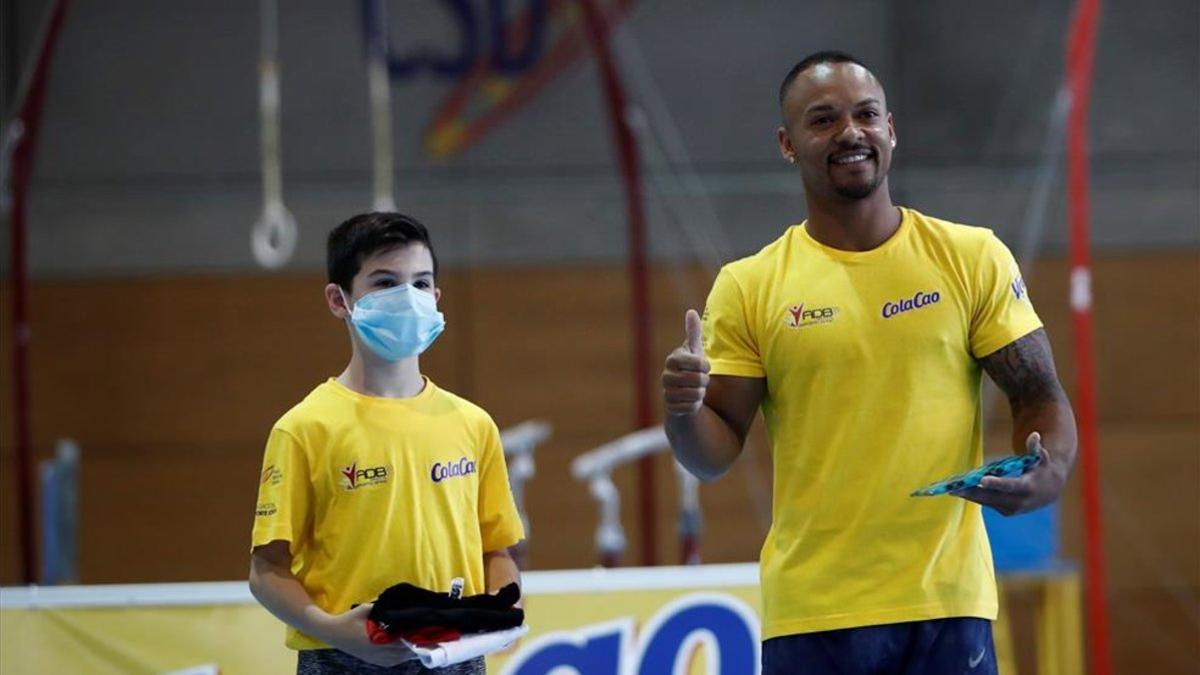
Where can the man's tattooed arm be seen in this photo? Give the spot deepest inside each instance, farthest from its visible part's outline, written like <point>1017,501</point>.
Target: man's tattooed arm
<point>1024,371</point>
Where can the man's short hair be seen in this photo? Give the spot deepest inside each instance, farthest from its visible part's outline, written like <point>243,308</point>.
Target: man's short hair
<point>366,234</point>
<point>814,59</point>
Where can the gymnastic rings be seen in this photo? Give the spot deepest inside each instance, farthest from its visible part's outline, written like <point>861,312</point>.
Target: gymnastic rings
<point>273,237</point>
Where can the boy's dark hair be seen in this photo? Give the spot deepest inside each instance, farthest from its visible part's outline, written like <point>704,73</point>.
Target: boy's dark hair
<point>826,56</point>
<point>366,234</point>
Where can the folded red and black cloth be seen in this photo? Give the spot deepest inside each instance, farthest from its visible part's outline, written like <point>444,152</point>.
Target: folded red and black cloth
<point>424,617</point>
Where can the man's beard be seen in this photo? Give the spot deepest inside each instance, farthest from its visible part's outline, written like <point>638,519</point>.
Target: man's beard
<point>860,191</point>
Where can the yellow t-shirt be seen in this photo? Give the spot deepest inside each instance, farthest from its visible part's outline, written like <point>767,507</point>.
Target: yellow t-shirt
<point>372,491</point>
<point>873,390</point>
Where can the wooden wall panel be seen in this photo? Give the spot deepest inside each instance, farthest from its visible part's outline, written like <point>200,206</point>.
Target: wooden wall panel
<point>171,384</point>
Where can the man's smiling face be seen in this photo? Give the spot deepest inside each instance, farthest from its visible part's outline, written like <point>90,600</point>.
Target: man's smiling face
<point>838,130</point>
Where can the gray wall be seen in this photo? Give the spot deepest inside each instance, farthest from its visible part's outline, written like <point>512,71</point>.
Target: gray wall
<point>149,154</point>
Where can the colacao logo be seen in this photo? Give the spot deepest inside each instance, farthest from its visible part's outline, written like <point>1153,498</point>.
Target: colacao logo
<point>441,472</point>
<point>722,626</point>
<point>917,301</point>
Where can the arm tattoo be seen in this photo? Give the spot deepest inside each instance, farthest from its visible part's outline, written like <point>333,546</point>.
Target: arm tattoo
<point>1024,371</point>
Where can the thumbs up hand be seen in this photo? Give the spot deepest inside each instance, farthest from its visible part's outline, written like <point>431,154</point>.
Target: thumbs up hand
<point>685,376</point>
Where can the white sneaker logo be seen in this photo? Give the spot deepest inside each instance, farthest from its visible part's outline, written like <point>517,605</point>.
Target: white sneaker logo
<point>975,661</point>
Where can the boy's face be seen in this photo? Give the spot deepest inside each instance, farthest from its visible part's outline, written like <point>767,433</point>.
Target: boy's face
<point>411,264</point>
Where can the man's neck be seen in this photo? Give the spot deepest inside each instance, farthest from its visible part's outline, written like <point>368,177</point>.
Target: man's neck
<point>853,224</point>
<point>372,376</point>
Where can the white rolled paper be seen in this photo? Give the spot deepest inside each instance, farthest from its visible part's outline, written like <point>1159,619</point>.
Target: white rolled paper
<point>466,648</point>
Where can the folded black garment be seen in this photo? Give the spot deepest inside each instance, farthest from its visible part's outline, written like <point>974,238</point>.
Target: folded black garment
<point>463,620</point>
<point>404,607</point>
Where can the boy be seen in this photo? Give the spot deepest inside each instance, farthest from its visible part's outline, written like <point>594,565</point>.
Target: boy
<point>378,476</point>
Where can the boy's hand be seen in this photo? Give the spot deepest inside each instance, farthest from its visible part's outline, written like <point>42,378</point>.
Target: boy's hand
<point>348,632</point>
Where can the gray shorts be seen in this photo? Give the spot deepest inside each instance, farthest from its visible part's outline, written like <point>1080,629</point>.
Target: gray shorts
<point>335,662</point>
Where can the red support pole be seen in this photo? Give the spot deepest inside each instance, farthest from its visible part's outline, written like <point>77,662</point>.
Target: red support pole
<point>22,131</point>
<point>1080,54</point>
<point>597,30</point>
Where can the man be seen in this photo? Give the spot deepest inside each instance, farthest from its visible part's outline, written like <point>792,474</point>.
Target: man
<point>378,476</point>
<point>862,333</point>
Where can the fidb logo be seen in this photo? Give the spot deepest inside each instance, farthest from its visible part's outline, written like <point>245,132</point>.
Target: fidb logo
<point>720,625</point>
<point>356,477</point>
<point>799,317</point>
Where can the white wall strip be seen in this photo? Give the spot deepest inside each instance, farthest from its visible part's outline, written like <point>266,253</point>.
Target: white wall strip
<point>237,592</point>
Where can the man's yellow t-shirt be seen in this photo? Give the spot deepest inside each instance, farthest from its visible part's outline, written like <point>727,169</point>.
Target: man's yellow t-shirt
<point>873,390</point>
<point>372,491</point>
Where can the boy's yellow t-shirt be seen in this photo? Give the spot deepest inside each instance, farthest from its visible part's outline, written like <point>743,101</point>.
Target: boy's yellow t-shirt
<point>370,492</point>
<point>873,390</point>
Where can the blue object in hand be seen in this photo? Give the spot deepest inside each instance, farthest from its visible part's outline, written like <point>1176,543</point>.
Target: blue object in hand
<point>1008,467</point>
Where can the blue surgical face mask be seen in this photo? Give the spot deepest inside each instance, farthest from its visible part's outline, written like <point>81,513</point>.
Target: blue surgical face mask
<point>397,322</point>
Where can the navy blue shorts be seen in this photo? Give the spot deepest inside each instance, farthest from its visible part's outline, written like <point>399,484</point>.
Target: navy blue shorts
<point>941,646</point>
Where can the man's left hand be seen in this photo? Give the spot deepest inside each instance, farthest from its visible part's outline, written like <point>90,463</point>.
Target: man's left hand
<point>1020,494</point>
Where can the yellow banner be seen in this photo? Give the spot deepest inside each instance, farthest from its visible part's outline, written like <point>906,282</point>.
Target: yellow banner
<point>135,640</point>
<point>683,620</point>
<point>610,622</point>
